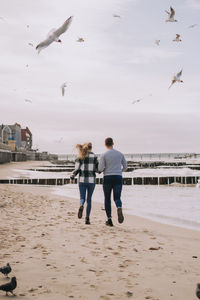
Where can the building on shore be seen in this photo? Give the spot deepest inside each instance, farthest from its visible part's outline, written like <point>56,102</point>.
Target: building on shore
<point>26,138</point>
<point>16,137</point>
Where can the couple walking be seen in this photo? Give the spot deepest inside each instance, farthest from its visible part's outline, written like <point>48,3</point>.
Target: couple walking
<point>87,165</point>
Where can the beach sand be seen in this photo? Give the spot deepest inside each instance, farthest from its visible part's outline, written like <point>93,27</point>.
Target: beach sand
<point>53,254</point>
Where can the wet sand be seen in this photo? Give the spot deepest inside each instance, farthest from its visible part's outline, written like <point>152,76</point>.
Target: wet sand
<point>55,255</point>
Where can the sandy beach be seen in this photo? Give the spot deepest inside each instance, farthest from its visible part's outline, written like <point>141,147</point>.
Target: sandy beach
<point>54,254</point>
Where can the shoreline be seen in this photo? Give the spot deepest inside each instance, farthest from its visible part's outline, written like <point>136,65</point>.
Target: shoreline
<point>11,168</point>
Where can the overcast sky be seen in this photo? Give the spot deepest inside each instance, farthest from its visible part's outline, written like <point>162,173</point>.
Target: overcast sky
<point>117,64</point>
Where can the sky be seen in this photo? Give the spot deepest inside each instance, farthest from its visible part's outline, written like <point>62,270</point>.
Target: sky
<point>117,64</point>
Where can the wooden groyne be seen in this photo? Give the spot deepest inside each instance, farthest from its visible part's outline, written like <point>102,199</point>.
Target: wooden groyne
<point>185,180</point>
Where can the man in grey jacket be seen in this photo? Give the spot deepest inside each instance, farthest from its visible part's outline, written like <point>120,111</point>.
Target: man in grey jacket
<point>111,163</point>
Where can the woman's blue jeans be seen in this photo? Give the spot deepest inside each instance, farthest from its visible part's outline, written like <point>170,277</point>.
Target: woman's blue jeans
<point>89,189</point>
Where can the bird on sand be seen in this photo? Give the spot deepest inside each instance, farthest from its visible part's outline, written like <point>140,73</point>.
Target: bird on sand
<point>116,16</point>
<point>9,287</point>
<point>80,40</point>
<point>63,86</point>
<point>6,269</point>
<point>54,35</point>
<point>171,15</point>
<point>198,291</point>
<point>176,78</point>
<point>136,101</point>
<point>157,42</point>
<point>177,38</point>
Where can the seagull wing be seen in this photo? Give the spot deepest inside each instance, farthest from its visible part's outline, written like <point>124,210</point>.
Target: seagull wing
<point>50,32</point>
<point>44,44</point>
<point>173,81</point>
<point>167,12</point>
<point>172,12</point>
<point>63,90</point>
<point>64,27</point>
<point>178,76</point>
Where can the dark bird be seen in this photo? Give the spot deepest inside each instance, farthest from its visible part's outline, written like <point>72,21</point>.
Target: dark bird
<point>9,287</point>
<point>198,290</point>
<point>6,269</point>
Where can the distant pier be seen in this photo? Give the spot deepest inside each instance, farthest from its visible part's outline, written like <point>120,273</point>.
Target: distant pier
<point>162,180</point>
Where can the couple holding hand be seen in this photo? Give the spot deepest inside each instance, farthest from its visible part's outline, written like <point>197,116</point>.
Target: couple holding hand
<point>111,163</point>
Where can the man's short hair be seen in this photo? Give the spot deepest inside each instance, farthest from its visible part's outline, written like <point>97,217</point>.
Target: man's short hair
<point>109,142</point>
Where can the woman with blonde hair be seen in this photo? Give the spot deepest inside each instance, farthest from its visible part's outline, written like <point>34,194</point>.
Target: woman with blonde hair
<point>86,165</point>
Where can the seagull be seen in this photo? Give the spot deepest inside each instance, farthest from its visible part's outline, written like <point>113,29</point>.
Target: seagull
<point>176,78</point>
<point>136,101</point>
<point>193,25</point>
<point>9,287</point>
<point>116,16</point>
<point>177,38</point>
<point>198,291</point>
<point>157,42</point>
<point>80,40</point>
<point>6,269</point>
<point>171,15</point>
<point>27,100</point>
<point>54,35</point>
<point>63,86</point>
<point>60,140</point>
<point>30,44</point>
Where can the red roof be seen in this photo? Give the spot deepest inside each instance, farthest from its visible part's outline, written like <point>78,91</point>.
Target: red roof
<point>28,130</point>
<point>23,134</point>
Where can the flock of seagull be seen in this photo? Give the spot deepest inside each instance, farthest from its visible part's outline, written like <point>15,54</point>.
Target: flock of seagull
<point>171,18</point>
<point>54,36</point>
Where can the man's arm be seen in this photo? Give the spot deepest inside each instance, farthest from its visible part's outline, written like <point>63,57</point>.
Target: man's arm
<point>124,164</point>
<point>101,166</point>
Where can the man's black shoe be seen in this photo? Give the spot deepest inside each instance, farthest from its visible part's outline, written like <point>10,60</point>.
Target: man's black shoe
<point>109,222</point>
<point>120,215</point>
<point>87,221</point>
<point>80,211</point>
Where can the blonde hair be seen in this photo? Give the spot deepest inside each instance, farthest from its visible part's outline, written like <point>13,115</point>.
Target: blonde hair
<point>84,150</point>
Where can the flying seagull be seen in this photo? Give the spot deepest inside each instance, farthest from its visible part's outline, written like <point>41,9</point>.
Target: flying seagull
<point>198,291</point>
<point>80,40</point>
<point>6,269</point>
<point>176,78</point>
<point>157,42</point>
<point>27,100</point>
<point>177,38</point>
<point>63,86</point>
<point>60,140</point>
<point>30,44</point>
<point>9,287</point>
<point>136,101</point>
<point>54,35</point>
<point>116,16</point>
<point>171,15</point>
<point>193,25</point>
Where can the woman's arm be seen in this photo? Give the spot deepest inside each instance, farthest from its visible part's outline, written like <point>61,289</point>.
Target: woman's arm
<point>77,169</point>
